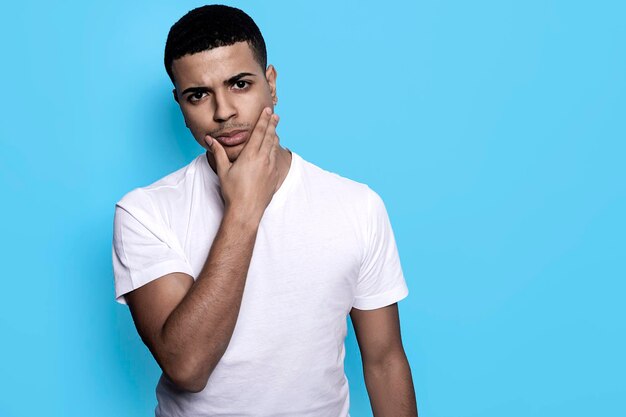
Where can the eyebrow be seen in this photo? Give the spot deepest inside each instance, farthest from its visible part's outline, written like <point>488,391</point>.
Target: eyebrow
<point>229,81</point>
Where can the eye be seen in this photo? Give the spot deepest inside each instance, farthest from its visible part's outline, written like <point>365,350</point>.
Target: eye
<point>195,97</point>
<point>242,84</point>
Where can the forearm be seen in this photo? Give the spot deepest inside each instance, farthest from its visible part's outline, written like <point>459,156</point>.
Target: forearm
<point>197,332</point>
<point>390,388</point>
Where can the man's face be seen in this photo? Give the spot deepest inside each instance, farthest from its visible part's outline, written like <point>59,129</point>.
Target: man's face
<point>222,90</point>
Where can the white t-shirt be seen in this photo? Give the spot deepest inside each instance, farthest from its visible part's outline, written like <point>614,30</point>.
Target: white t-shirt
<point>324,245</point>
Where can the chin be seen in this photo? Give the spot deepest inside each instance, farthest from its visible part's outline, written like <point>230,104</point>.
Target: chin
<point>233,152</point>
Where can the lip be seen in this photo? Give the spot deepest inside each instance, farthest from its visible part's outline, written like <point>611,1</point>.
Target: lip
<point>233,138</point>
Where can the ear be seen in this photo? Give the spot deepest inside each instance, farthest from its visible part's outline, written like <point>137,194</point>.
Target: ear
<point>175,95</point>
<point>270,76</point>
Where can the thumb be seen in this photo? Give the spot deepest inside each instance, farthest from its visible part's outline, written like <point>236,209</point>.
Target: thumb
<point>221,159</point>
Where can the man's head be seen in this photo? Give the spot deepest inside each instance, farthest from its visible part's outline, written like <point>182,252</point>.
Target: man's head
<point>216,58</point>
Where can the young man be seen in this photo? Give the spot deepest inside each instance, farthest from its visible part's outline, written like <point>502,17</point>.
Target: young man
<point>240,268</point>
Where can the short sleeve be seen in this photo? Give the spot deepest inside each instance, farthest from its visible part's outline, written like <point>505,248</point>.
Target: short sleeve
<point>381,281</point>
<point>141,252</point>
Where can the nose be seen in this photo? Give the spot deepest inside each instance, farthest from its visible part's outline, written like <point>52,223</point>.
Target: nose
<point>224,108</point>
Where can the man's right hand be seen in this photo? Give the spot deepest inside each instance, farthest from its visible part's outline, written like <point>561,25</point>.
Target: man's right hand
<point>249,183</point>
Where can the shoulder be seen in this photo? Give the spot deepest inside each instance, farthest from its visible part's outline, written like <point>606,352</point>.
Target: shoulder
<point>332,183</point>
<point>161,193</point>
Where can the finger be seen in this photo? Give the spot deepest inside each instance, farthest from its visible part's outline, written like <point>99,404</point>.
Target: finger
<point>273,152</point>
<point>221,159</point>
<point>273,158</point>
<point>258,133</point>
<point>270,135</point>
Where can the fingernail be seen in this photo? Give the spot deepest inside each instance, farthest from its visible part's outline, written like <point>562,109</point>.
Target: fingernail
<point>209,140</point>
<point>268,110</point>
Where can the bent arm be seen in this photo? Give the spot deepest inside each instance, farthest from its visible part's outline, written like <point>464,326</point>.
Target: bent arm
<point>187,325</point>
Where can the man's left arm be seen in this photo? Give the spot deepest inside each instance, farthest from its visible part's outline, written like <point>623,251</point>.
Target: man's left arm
<point>385,366</point>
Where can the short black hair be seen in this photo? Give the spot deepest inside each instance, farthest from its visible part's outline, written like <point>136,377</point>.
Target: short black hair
<point>209,27</point>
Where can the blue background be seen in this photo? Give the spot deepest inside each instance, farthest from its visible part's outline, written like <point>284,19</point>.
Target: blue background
<point>494,131</point>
